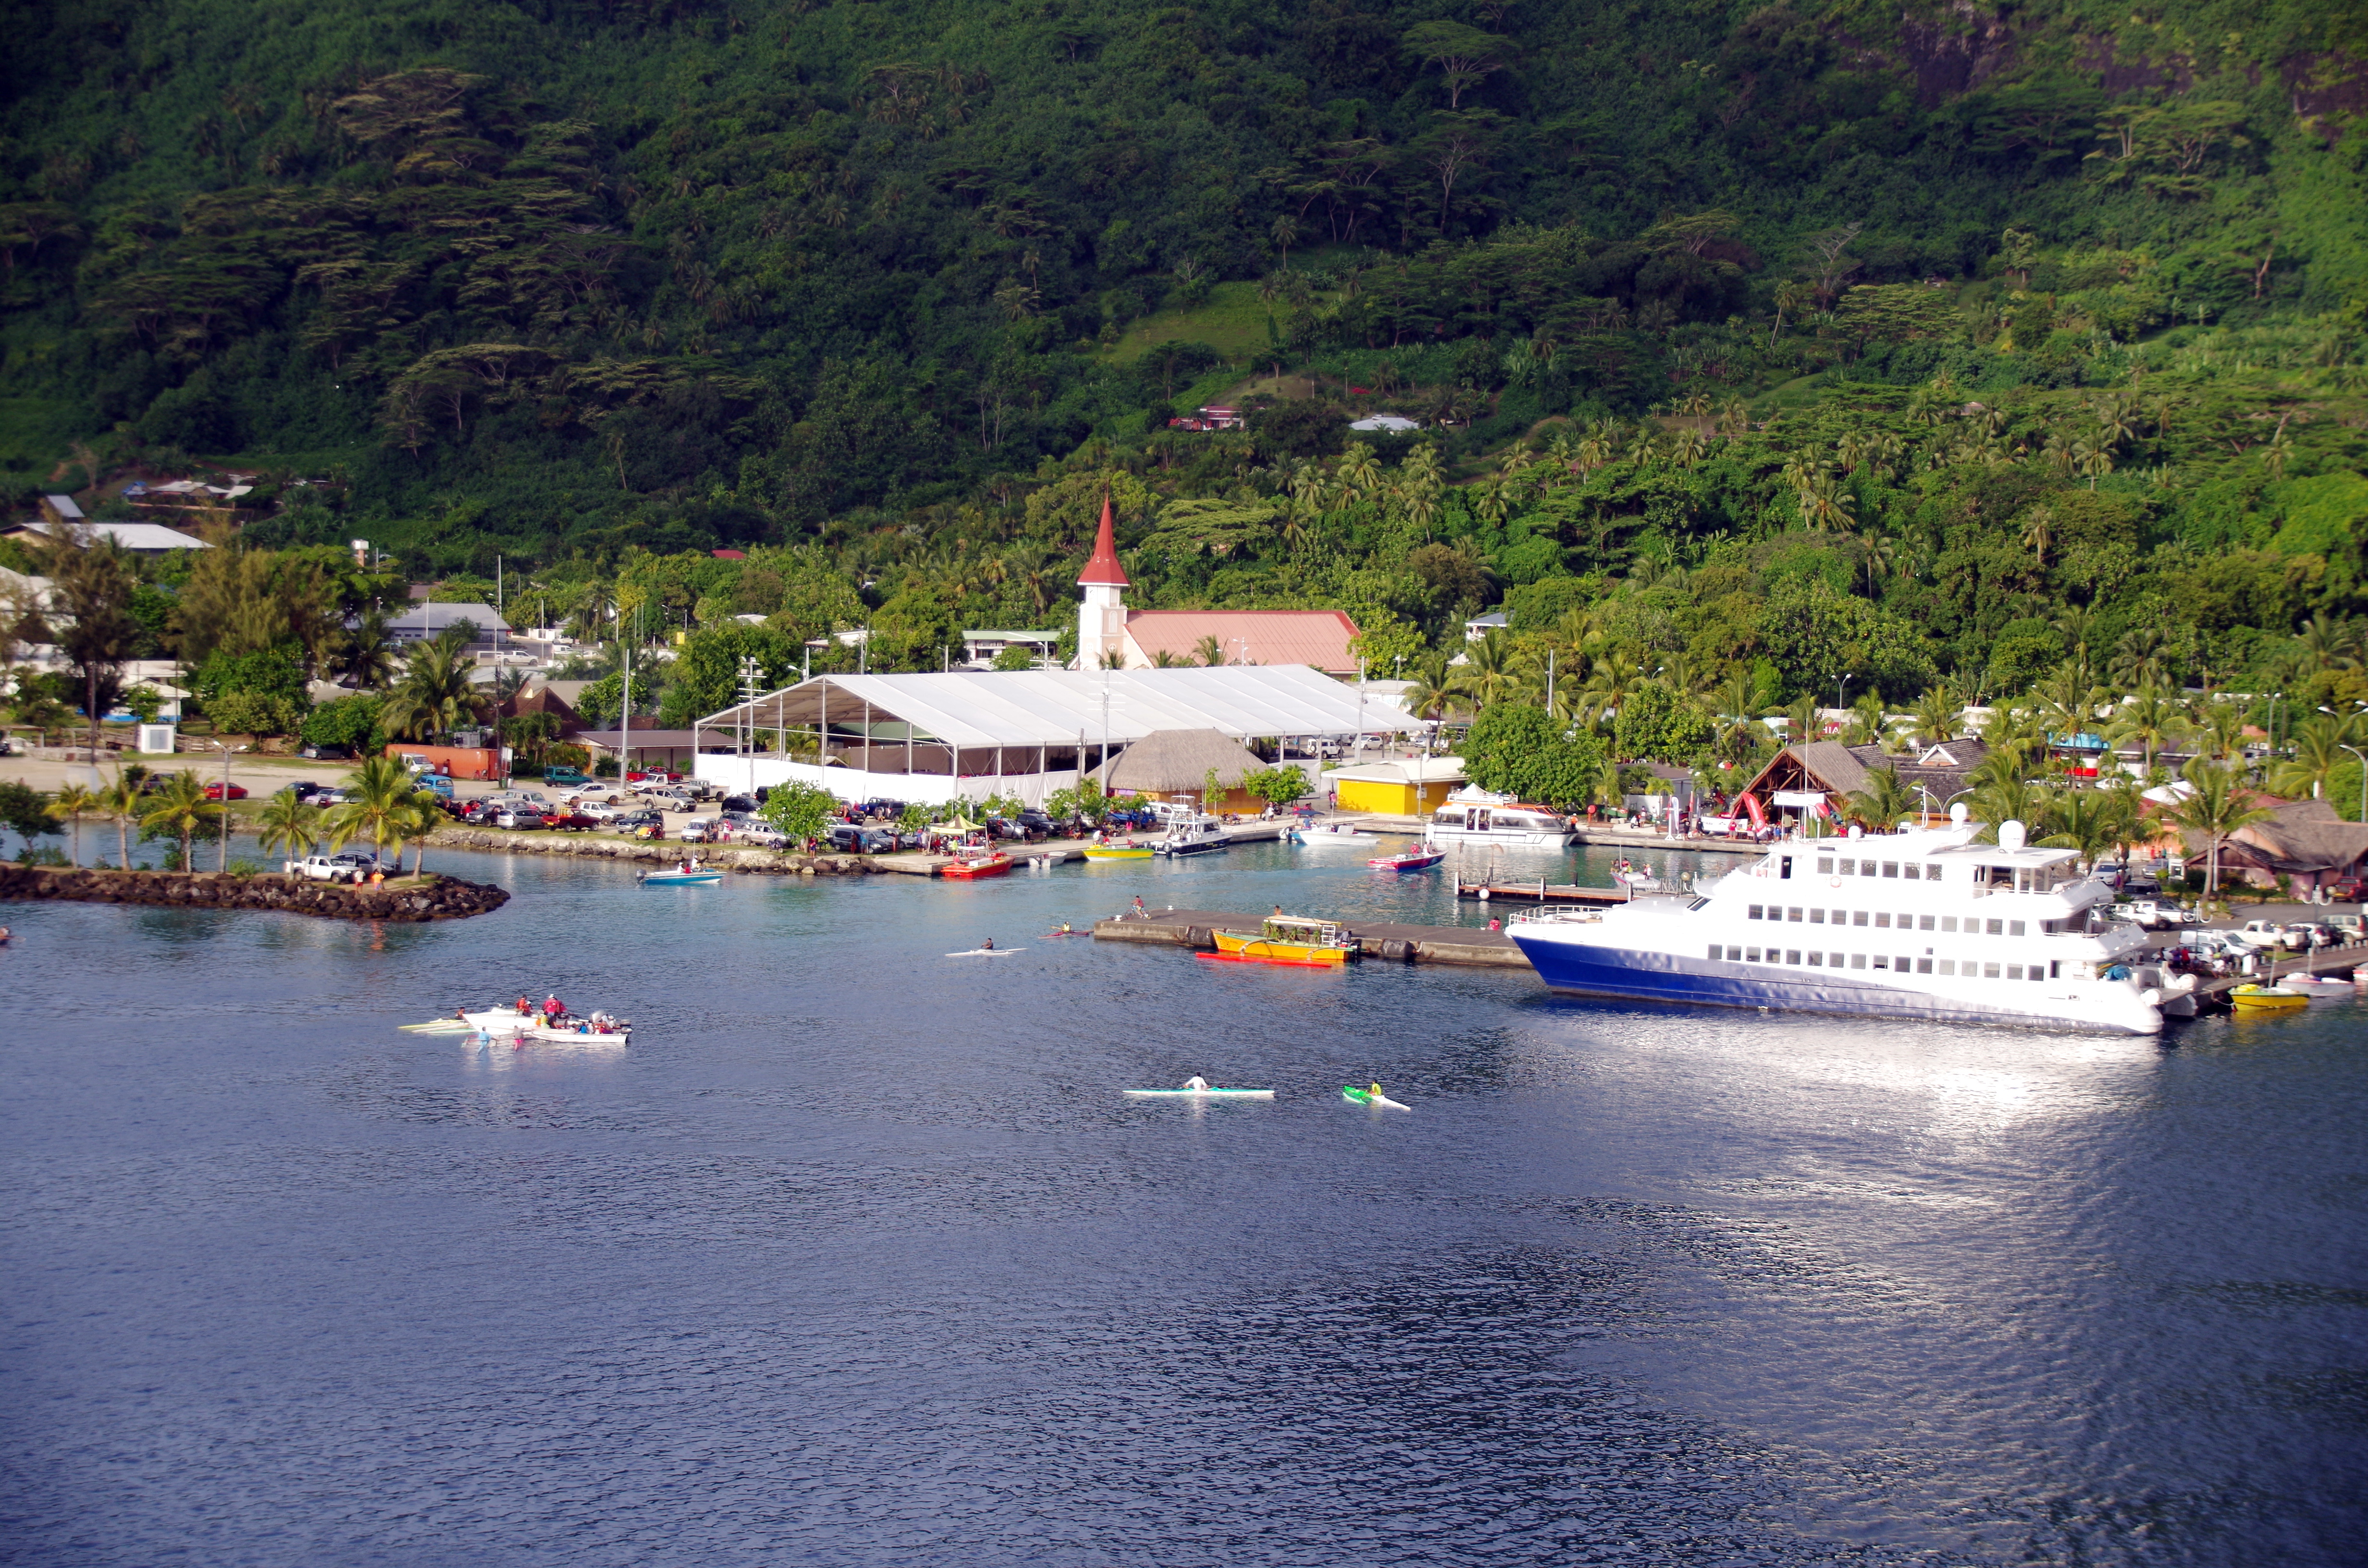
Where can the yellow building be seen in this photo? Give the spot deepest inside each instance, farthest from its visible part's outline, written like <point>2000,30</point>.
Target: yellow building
<point>1412,787</point>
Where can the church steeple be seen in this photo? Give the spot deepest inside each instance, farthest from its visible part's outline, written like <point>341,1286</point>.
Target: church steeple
<point>1104,567</point>
<point>1101,615</point>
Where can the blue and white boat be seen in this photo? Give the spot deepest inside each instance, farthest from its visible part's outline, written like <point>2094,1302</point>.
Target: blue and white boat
<point>1926,923</point>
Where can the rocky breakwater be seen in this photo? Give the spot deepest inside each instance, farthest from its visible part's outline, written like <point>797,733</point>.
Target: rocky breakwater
<point>405,901</point>
<point>762,862</point>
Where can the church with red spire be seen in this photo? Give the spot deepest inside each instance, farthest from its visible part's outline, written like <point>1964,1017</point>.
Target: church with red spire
<point>1319,637</point>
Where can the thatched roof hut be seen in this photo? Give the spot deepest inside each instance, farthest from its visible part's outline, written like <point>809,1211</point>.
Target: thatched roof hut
<point>1178,761</point>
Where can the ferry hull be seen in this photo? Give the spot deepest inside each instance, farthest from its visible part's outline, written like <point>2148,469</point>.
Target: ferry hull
<point>1589,970</point>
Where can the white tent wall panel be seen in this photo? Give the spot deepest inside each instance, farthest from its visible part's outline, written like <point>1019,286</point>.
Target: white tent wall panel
<point>745,775</point>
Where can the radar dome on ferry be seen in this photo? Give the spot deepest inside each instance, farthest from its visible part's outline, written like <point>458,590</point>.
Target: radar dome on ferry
<point>1957,815</point>
<point>2010,835</point>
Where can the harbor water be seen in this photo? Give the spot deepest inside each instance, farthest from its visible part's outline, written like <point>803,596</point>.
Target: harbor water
<point>858,1255</point>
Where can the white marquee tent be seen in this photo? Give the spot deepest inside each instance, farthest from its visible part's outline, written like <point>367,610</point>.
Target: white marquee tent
<point>938,737</point>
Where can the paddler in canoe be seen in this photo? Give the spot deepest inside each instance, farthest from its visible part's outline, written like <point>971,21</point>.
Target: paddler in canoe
<point>1197,1083</point>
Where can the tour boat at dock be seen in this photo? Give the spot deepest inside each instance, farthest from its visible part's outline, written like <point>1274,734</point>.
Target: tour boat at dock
<point>1475,815</point>
<point>1194,834</point>
<point>1928,925</point>
<point>1290,940</point>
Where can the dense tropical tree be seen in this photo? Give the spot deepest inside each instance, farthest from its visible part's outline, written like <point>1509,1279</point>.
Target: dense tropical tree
<point>70,805</point>
<point>2216,809</point>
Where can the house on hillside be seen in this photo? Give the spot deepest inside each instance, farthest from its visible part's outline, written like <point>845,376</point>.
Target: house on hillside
<point>140,539</point>
<point>1142,638</point>
<point>1815,779</point>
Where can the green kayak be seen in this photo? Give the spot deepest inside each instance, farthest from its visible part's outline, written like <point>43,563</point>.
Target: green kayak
<point>1367,1096</point>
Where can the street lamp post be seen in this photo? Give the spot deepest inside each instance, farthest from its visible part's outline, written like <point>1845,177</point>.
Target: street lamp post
<point>222,861</point>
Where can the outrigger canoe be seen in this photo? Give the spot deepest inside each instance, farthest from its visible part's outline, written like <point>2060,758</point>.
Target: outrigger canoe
<point>1210,1093</point>
<point>1118,852</point>
<point>1367,1096</point>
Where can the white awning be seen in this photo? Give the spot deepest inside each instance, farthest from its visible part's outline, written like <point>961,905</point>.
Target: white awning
<point>1800,797</point>
<point>1033,708</point>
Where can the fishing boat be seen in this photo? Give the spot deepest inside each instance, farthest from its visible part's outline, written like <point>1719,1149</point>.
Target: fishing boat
<point>1331,835</point>
<point>1930,925</point>
<point>2319,987</point>
<point>970,867</point>
<point>1194,834</point>
<point>2267,999</point>
<point>1421,859</point>
<point>1208,1092</point>
<point>1130,851</point>
<point>1355,1095</point>
<point>1290,940</point>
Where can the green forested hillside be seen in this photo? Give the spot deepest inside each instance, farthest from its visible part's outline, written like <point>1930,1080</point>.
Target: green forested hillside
<point>1892,340</point>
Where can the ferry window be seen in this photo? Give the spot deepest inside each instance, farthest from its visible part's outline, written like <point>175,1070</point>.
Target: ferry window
<point>1911,870</point>
<point>1833,961</point>
<point>1818,958</point>
<point>2014,971</point>
<point>1948,923</point>
<point>1794,914</point>
<point>1901,963</point>
<point>1857,918</point>
<point>1849,868</point>
<point>1866,867</point>
<point>1784,868</point>
<point>2054,968</point>
<point>1995,928</point>
<point>1923,966</point>
<point>1816,917</point>
<point>1792,956</point>
<point>1948,966</point>
<point>1923,923</point>
<point>1999,876</point>
<point>1825,865</point>
<point>1858,961</point>
<point>1714,950</point>
<point>1753,912</point>
<point>1989,972</point>
<point>1751,955</point>
<point>1891,868</point>
<point>1883,918</point>
<point>2014,927</point>
<point>1882,962</point>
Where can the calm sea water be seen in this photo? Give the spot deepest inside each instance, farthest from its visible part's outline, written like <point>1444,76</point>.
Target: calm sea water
<point>858,1256</point>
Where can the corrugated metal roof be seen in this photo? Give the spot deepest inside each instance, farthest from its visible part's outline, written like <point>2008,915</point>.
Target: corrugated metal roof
<point>1314,637</point>
<point>1031,708</point>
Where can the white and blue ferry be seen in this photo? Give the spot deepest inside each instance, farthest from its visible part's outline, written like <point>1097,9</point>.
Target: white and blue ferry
<point>1925,923</point>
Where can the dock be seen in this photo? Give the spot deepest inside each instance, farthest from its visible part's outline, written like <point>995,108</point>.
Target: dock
<point>1059,850</point>
<point>1543,891</point>
<point>1382,940</point>
<point>2327,959</point>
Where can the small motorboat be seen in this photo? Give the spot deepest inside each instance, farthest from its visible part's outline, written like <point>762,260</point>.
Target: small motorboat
<point>682,877</point>
<point>508,1026</point>
<point>2317,987</point>
<point>971,867</point>
<point>2267,999</point>
<point>1203,1092</point>
<point>1128,851</point>
<point>1421,859</point>
<point>1355,1095</point>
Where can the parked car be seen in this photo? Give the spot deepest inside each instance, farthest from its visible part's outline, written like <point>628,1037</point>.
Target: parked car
<point>600,811</point>
<point>1036,822</point>
<point>332,868</point>
<point>848,839</point>
<point>2263,934</point>
<point>2152,915</point>
<point>698,829</point>
<point>329,797</point>
<point>558,775</point>
<point>304,788</point>
<point>325,754</point>
<point>519,818</point>
<point>214,791</point>
<point>762,835</point>
<point>2349,928</point>
<point>571,822</point>
<point>739,805</point>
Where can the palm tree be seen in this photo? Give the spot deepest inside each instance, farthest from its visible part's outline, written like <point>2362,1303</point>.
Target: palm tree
<point>378,795</point>
<point>2217,808</point>
<point>2089,820</point>
<point>411,824</point>
<point>1610,681</point>
<point>435,696</point>
<point>1489,674</point>
<point>1882,804</point>
<point>2142,658</point>
<point>70,805</point>
<point>1161,659</point>
<point>291,824</point>
<point>1866,725</point>
<point>179,807</point>
<point>365,655</point>
<point>1802,721</point>
<point>2317,753</point>
<point>2151,716</point>
<point>122,800</point>
<point>2007,797</point>
<point>1209,651</point>
<point>1936,718</point>
<point>2221,727</point>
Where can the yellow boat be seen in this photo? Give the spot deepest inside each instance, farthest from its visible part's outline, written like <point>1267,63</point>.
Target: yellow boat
<point>2268,999</point>
<point>1290,939</point>
<point>1118,852</point>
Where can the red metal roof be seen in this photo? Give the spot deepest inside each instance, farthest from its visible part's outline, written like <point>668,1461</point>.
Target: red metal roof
<point>1104,567</point>
<point>1318,637</point>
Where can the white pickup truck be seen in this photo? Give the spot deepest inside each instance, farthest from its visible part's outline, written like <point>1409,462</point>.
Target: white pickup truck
<point>332,868</point>
<point>2153,916</point>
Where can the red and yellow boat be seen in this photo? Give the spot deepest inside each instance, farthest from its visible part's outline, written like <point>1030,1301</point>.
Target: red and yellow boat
<point>971,867</point>
<point>1289,939</point>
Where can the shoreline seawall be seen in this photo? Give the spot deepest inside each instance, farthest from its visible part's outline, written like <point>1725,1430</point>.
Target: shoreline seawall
<point>409,902</point>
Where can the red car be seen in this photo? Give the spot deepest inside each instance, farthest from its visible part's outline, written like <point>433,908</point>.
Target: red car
<point>238,792</point>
